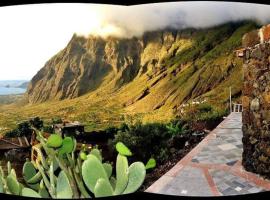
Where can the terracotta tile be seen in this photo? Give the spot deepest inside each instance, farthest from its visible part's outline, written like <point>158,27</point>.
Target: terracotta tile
<point>175,170</point>
<point>211,183</point>
<point>159,184</point>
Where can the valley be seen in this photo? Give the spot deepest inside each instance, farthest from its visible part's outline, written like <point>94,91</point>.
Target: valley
<point>104,82</point>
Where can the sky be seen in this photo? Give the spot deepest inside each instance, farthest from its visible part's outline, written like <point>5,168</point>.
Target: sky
<point>31,34</point>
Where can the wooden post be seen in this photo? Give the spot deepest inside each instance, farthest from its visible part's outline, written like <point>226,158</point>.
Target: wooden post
<point>230,99</point>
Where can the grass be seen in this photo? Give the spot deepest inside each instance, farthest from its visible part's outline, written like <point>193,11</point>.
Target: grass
<point>208,67</point>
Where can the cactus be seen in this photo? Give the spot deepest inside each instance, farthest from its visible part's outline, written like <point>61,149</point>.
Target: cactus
<point>30,174</point>
<point>92,170</point>
<point>58,172</point>
<point>96,153</point>
<point>103,188</point>
<point>67,146</point>
<point>63,189</point>
<point>108,169</point>
<point>136,175</point>
<point>121,174</point>
<point>1,185</point>
<point>42,190</point>
<point>151,163</point>
<point>27,192</point>
<point>122,149</point>
<point>55,141</point>
<point>13,185</point>
<point>98,179</point>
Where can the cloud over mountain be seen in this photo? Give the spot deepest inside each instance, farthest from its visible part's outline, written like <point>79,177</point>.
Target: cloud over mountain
<point>129,21</point>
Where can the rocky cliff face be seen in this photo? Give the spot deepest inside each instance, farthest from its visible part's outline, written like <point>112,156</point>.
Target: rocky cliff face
<point>161,69</point>
<point>256,104</point>
<point>81,67</point>
<point>85,62</point>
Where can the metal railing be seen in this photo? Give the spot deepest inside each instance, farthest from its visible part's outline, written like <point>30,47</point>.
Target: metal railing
<point>237,107</point>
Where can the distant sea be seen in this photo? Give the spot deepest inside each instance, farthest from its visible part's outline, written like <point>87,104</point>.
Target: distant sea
<point>11,90</point>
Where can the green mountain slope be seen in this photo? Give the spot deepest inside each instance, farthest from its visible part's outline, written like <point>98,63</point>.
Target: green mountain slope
<point>104,82</point>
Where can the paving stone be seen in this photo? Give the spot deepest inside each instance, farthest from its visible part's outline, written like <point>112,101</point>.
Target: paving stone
<point>225,149</point>
<point>231,163</point>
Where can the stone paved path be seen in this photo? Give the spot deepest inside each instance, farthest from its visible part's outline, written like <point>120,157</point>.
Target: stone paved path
<point>213,167</point>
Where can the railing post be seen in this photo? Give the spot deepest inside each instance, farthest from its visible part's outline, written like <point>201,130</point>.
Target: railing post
<point>230,99</point>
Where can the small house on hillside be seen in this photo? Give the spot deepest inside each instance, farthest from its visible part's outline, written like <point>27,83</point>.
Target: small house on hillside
<point>69,128</point>
<point>240,52</point>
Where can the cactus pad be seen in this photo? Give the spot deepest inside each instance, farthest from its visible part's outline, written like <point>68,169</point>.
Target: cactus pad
<point>67,146</point>
<point>63,187</point>
<point>92,170</point>
<point>150,164</point>
<point>13,185</point>
<point>27,192</point>
<point>55,141</point>
<point>108,169</point>
<point>122,149</point>
<point>121,174</point>
<point>103,188</point>
<point>96,153</point>
<point>136,175</point>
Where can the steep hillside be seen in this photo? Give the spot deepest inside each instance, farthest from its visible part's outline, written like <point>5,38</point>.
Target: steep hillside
<point>105,81</point>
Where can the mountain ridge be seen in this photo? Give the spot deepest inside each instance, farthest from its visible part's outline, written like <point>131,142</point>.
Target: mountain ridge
<point>99,82</point>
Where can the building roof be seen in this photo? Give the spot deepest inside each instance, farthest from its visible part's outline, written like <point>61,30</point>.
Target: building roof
<point>14,143</point>
<point>68,125</point>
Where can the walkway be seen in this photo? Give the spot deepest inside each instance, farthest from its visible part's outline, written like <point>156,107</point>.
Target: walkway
<point>213,167</point>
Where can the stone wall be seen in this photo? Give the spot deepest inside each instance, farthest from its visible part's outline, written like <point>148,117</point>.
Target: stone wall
<point>256,109</point>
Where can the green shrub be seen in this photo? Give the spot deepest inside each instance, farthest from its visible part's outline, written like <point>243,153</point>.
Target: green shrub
<point>57,120</point>
<point>12,133</point>
<point>145,140</point>
<point>48,129</point>
<point>23,129</point>
<point>178,127</point>
<point>36,122</point>
<point>204,112</point>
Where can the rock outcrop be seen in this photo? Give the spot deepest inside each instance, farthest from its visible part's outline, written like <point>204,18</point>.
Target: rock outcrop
<point>256,106</point>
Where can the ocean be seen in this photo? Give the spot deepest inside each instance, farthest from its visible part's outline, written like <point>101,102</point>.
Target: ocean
<point>11,90</point>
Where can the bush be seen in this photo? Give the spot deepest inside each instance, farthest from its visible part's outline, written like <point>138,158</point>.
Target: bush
<point>144,140</point>
<point>57,120</point>
<point>178,128</point>
<point>12,133</point>
<point>203,113</point>
<point>36,122</point>
<point>48,129</point>
<point>23,129</point>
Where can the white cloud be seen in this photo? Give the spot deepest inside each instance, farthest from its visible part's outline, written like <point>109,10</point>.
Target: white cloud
<point>31,34</point>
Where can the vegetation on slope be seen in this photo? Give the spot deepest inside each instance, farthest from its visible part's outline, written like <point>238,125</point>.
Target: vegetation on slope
<point>175,67</point>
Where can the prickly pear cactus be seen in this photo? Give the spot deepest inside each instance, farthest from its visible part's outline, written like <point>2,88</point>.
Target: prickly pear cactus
<point>103,188</point>
<point>55,140</point>
<point>13,185</point>
<point>27,192</point>
<point>92,170</point>
<point>121,174</point>
<point>136,176</point>
<point>63,188</point>
<point>67,146</point>
<point>58,172</point>
<point>30,173</point>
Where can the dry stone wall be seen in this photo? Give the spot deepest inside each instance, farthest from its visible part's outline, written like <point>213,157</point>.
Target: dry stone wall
<point>256,109</point>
